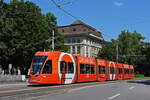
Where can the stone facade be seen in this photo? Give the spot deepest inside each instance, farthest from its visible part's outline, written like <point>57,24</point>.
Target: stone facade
<point>82,39</point>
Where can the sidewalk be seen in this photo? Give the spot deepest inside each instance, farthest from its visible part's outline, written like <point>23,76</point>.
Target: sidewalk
<point>13,84</point>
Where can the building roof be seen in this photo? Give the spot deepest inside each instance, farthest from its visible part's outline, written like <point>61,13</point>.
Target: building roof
<point>78,23</point>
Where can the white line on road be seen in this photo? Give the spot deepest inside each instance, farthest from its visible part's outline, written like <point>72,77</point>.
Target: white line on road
<point>131,87</point>
<point>114,96</point>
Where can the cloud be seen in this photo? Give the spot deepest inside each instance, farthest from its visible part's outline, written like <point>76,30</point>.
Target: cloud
<point>118,4</point>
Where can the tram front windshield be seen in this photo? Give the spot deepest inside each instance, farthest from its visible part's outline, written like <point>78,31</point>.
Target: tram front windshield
<point>37,64</point>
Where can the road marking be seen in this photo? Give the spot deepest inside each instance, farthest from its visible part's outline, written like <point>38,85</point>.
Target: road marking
<point>131,87</point>
<point>114,96</point>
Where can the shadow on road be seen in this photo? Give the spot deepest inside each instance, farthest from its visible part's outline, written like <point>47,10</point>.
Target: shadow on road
<point>42,85</point>
<point>145,82</point>
<point>79,84</point>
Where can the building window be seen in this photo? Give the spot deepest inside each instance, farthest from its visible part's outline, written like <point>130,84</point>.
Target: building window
<point>84,29</point>
<point>78,40</point>
<point>63,30</point>
<point>74,29</point>
<point>78,49</point>
<point>73,40</point>
<point>68,41</point>
<point>73,49</point>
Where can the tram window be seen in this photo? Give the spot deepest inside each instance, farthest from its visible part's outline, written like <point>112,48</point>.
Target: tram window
<point>101,70</point>
<point>82,71</point>
<point>112,71</point>
<point>92,69</point>
<point>48,67</point>
<point>70,67</point>
<point>120,71</point>
<point>126,71</point>
<point>132,72</point>
<point>63,67</point>
<point>87,68</point>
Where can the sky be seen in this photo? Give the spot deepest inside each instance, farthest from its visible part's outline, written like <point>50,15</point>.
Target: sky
<point>108,16</point>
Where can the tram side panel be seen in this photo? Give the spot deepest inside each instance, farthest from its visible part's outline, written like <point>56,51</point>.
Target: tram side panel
<point>126,71</point>
<point>86,69</point>
<point>101,70</point>
<point>120,71</point>
<point>131,72</point>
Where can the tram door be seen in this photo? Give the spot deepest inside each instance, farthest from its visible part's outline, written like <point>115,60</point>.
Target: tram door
<point>66,68</point>
<point>63,71</point>
<point>112,71</point>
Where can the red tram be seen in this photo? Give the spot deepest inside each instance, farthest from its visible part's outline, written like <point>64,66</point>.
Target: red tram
<point>101,70</point>
<point>120,71</point>
<point>111,70</point>
<point>131,72</point>
<point>63,68</point>
<point>86,69</point>
<point>126,71</point>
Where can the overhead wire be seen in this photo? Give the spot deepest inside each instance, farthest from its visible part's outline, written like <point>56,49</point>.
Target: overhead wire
<point>74,17</point>
<point>59,7</point>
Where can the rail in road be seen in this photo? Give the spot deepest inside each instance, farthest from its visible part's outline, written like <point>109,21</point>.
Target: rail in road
<point>36,91</point>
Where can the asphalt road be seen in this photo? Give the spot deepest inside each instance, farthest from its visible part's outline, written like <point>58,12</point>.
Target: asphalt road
<point>136,90</point>
<point>112,90</point>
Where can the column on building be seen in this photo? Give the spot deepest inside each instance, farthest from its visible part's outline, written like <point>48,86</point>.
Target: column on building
<point>85,51</point>
<point>75,49</point>
<point>71,49</point>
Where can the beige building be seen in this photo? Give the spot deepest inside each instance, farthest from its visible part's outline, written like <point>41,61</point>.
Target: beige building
<point>82,39</point>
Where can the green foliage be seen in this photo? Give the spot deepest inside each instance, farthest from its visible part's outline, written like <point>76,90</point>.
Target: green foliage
<point>59,39</point>
<point>23,31</point>
<point>140,77</point>
<point>131,50</point>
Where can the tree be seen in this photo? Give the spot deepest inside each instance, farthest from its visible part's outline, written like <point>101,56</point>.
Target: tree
<point>130,49</point>
<point>59,39</point>
<point>5,29</point>
<point>108,52</point>
<point>24,32</point>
